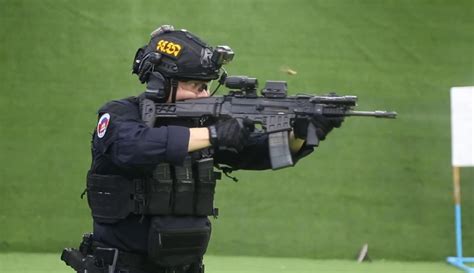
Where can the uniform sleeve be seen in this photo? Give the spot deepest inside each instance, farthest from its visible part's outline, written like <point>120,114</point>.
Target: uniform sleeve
<point>129,142</point>
<point>255,155</point>
<point>137,144</point>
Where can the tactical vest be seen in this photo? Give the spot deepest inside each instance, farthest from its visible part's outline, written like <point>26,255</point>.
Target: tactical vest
<point>169,190</point>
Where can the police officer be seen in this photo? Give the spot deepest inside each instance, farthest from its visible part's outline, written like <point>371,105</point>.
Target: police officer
<point>151,183</point>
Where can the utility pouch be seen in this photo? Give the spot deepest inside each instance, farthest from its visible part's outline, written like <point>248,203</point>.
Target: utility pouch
<point>184,188</point>
<point>175,241</point>
<point>205,186</point>
<point>109,197</point>
<point>159,189</point>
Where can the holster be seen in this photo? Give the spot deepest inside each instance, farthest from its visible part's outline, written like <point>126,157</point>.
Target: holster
<point>100,260</point>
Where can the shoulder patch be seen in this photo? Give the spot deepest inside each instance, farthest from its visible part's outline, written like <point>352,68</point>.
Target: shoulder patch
<point>102,125</point>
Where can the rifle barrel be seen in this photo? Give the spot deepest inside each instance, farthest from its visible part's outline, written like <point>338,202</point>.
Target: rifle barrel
<point>377,114</point>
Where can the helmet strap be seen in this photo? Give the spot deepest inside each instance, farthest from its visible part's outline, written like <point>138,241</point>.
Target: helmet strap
<point>174,89</point>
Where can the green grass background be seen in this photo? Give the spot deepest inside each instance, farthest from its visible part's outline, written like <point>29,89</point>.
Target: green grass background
<point>382,182</point>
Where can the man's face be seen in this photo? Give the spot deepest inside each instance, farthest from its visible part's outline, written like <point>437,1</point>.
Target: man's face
<point>191,89</point>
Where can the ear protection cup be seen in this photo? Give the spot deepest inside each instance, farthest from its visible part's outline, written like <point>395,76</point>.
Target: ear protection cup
<point>144,65</point>
<point>157,87</point>
<point>138,59</point>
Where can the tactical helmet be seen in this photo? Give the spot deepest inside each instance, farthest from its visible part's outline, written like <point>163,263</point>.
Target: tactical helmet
<point>181,55</point>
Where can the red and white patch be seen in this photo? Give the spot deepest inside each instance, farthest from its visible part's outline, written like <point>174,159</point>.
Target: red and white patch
<point>103,124</point>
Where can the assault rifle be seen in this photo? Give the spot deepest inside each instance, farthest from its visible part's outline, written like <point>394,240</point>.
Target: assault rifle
<point>274,112</point>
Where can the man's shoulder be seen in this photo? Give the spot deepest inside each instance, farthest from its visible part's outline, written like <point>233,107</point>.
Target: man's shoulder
<point>120,106</point>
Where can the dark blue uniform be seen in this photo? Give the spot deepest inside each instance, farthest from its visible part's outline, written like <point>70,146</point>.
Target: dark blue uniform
<point>130,148</point>
<point>124,145</point>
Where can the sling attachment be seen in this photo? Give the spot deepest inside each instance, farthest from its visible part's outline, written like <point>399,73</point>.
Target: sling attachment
<point>227,171</point>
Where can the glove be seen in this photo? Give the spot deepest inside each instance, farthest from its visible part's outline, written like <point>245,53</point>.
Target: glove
<point>323,125</point>
<point>231,134</point>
